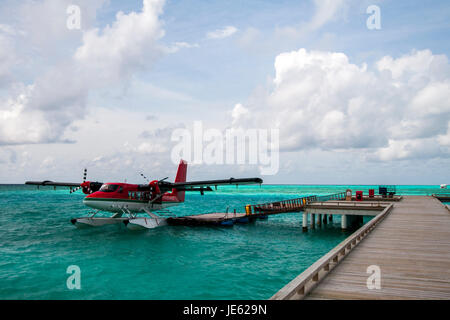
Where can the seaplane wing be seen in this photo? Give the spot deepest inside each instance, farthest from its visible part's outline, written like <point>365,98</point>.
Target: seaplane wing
<point>207,184</point>
<point>53,184</point>
<point>88,187</point>
<point>210,183</point>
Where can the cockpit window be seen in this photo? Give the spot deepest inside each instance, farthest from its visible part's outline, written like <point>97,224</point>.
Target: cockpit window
<point>109,188</point>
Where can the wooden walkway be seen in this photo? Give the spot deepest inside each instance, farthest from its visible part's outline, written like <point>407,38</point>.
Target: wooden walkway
<point>412,248</point>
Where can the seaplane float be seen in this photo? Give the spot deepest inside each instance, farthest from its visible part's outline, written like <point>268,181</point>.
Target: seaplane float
<point>137,205</point>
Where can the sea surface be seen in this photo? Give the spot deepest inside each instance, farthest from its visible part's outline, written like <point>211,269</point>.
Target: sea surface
<point>253,261</point>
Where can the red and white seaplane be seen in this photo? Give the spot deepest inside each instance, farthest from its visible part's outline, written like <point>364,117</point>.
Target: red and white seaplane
<point>127,201</point>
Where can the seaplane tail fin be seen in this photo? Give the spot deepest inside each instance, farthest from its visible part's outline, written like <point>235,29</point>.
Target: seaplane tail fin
<point>181,177</point>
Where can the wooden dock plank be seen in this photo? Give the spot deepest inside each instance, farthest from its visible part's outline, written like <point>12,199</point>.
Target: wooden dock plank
<point>412,248</point>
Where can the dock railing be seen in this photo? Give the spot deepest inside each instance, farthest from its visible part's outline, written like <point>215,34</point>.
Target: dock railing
<point>359,204</point>
<point>308,279</point>
<point>292,205</point>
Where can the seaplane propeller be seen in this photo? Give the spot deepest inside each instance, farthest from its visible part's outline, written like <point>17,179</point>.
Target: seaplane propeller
<point>142,175</point>
<point>80,187</point>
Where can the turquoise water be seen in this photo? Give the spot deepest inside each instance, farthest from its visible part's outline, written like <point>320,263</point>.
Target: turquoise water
<point>38,243</point>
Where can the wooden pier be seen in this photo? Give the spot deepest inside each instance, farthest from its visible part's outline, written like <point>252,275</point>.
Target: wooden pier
<point>262,211</point>
<point>218,218</point>
<point>330,205</point>
<point>410,244</point>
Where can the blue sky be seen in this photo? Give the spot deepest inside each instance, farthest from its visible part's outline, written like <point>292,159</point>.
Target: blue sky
<point>406,25</point>
<point>225,72</point>
<point>185,75</point>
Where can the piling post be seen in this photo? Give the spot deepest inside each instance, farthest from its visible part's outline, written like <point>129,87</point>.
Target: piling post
<point>344,222</point>
<point>319,220</point>
<point>325,220</point>
<point>331,217</point>
<point>305,222</point>
<point>313,221</point>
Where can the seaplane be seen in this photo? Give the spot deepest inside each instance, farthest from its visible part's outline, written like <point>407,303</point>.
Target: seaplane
<point>137,206</point>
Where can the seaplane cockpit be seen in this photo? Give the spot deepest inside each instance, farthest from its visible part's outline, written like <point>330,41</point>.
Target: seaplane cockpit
<point>110,188</point>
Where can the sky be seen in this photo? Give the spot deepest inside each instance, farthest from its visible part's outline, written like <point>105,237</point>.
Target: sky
<point>106,87</point>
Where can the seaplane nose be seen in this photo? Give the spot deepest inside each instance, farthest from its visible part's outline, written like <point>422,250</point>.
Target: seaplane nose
<point>90,201</point>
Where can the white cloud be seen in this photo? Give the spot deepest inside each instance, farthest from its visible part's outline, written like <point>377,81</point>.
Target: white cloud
<point>321,100</point>
<point>181,45</point>
<point>222,33</point>
<point>128,44</point>
<point>155,141</point>
<point>421,65</point>
<point>326,10</point>
<point>239,112</point>
<point>44,23</point>
<point>41,112</point>
<point>409,149</point>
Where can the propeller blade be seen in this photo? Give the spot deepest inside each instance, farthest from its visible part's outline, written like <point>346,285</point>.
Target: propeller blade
<point>74,190</point>
<point>144,177</point>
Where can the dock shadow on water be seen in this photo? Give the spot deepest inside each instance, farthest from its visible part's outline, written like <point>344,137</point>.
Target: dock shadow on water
<point>246,261</point>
